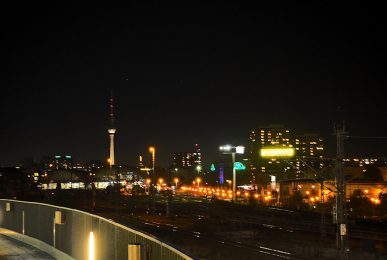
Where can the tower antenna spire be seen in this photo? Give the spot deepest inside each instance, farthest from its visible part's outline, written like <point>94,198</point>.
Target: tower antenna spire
<point>111,129</point>
<point>111,110</point>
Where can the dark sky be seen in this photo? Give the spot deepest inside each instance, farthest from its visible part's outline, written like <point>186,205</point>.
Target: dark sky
<point>188,73</point>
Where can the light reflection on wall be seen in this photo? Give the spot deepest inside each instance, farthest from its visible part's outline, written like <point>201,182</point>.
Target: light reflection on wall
<point>1,216</point>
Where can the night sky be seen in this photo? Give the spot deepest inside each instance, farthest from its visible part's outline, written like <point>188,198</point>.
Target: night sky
<point>188,73</point>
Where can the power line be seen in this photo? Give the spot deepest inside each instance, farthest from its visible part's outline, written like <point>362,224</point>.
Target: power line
<point>366,137</point>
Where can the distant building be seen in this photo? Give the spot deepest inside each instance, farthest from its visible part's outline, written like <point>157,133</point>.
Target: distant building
<point>62,162</point>
<point>264,137</point>
<point>142,168</point>
<point>140,163</point>
<point>274,135</point>
<point>95,164</point>
<point>309,150</point>
<point>188,160</point>
<point>361,162</point>
<point>310,189</point>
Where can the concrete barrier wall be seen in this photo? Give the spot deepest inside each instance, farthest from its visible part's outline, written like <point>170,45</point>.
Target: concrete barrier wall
<point>111,240</point>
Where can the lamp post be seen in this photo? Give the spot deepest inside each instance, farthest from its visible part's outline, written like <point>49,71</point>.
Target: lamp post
<point>229,183</point>
<point>160,181</point>
<point>198,168</point>
<point>198,180</point>
<point>148,182</point>
<point>176,180</point>
<point>233,150</point>
<point>152,150</point>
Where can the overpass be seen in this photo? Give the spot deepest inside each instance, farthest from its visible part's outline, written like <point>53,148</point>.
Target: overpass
<point>65,233</point>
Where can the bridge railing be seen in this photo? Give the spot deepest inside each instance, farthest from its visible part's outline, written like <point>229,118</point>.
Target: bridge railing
<point>81,235</point>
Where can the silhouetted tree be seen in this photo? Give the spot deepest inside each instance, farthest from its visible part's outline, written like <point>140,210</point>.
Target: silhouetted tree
<point>359,203</point>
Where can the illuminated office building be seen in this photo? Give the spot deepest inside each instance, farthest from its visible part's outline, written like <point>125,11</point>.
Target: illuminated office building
<point>188,160</point>
<point>309,150</point>
<point>268,136</point>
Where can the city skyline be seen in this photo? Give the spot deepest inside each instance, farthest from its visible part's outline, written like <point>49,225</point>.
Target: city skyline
<point>236,68</point>
<point>193,130</point>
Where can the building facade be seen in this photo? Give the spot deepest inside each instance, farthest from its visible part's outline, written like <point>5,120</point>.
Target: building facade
<point>188,160</point>
<point>309,152</point>
<point>267,137</point>
<point>309,149</point>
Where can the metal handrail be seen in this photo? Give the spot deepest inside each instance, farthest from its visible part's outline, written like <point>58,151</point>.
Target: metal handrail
<point>153,239</point>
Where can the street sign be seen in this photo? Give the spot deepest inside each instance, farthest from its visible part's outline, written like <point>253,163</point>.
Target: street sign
<point>239,166</point>
<point>282,152</point>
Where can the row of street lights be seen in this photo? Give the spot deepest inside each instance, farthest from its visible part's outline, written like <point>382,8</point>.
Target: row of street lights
<point>161,181</point>
<point>226,149</point>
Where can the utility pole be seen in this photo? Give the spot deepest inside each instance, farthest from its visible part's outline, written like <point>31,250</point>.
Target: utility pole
<point>233,178</point>
<point>152,150</point>
<point>323,220</point>
<point>341,215</point>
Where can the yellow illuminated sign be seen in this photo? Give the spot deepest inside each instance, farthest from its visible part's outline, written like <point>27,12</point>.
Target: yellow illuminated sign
<point>277,152</point>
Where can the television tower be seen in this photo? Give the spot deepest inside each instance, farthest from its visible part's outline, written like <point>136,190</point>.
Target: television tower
<point>111,129</point>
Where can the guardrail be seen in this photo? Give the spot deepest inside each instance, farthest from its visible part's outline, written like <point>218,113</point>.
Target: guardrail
<point>82,235</point>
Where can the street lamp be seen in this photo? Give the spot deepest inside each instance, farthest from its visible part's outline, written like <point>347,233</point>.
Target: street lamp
<point>176,180</point>
<point>229,182</point>
<point>198,180</point>
<point>229,149</point>
<point>148,182</point>
<point>152,150</point>
<point>198,168</point>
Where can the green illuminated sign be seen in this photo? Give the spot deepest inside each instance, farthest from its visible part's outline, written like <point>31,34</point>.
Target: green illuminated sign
<point>212,167</point>
<point>239,166</point>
